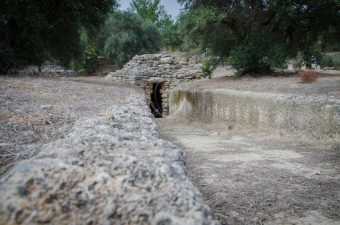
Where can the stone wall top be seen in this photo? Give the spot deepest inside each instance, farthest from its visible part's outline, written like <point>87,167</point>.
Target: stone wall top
<point>112,169</point>
<point>172,67</point>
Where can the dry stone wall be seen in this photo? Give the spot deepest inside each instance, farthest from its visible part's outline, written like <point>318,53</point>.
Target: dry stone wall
<point>158,67</point>
<point>47,70</point>
<point>166,70</point>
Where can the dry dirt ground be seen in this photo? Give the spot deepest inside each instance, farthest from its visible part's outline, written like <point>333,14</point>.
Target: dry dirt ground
<point>34,111</point>
<point>253,177</point>
<point>246,177</point>
<point>257,178</point>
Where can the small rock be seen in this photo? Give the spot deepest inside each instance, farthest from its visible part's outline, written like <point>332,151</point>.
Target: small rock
<point>198,66</point>
<point>46,106</point>
<point>167,60</point>
<point>109,117</point>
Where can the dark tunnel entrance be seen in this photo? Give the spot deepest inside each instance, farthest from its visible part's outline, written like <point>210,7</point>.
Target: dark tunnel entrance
<point>156,100</point>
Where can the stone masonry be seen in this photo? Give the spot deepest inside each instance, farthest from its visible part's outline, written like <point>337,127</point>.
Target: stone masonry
<point>165,70</point>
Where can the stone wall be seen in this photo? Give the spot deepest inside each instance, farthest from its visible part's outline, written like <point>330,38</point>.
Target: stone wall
<point>167,70</point>
<point>152,67</point>
<point>104,66</point>
<point>112,169</point>
<point>46,70</point>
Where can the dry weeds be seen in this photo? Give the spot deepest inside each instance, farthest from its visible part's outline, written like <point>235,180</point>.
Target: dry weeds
<point>34,112</point>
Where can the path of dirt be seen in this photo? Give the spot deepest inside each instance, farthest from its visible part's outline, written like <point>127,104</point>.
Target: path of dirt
<point>256,178</point>
<point>34,111</point>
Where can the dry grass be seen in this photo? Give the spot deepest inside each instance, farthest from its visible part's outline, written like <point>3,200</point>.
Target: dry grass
<point>29,129</point>
<point>34,112</point>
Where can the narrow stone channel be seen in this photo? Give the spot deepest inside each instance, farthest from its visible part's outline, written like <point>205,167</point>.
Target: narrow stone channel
<point>249,178</point>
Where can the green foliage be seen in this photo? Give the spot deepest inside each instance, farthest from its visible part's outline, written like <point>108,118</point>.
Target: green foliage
<point>326,62</point>
<point>32,31</point>
<point>147,9</point>
<point>208,67</point>
<point>127,35</point>
<point>151,10</point>
<point>257,54</point>
<point>90,53</point>
<point>202,31</point>
<point>329,61</point>
<point>227,27</point>
<point>172,37</point>
<point>75,65</point>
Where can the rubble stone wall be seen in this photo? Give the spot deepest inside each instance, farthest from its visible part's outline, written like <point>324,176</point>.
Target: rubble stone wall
<point>112,169</point>
<point>47,70</point>
<point>168,70</point>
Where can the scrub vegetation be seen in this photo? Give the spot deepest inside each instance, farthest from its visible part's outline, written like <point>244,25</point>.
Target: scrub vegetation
<point>253,36</point>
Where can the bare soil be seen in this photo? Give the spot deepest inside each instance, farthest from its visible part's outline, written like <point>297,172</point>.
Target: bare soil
<point>262,177</point>
<point>34,111</point>
<point>248,177</point>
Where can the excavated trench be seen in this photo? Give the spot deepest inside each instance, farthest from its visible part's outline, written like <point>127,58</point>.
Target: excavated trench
<point>88,151</point>
<point>256,158</point>
<point>261,155</point>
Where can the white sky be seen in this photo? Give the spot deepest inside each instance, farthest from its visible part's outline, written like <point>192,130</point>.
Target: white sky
<point>171,6</point>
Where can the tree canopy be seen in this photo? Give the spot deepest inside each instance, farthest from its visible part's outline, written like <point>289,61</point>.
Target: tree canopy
<point>152,10</point>
<point>32,31</point>
<point>257,32</point>
<point>253,35</point>
<point>127,34</point>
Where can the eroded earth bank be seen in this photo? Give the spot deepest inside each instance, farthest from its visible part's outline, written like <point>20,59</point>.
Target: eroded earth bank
<point>97,158</point>
<point>262,151</point>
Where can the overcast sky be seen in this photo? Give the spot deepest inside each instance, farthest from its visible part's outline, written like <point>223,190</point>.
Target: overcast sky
<point>171,6</point>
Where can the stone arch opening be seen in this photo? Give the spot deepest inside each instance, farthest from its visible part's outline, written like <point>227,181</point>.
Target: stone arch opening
<point>156,103</point>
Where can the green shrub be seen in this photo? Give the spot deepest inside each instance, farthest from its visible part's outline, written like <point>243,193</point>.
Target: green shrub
<point>33,31</point>
<point>172,37</point>
<point>337,64</point>
<point>208,67</point>
<point>77,66</point>
<point>256,54</point>
<point>327,61</point>
<point>86,62</point>
<point>7,60</point>
<point>127,35</point>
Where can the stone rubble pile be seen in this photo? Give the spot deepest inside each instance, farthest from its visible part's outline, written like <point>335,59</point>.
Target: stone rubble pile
<point>113,169</point>
<point>158,67</point>
<point>47,70</point>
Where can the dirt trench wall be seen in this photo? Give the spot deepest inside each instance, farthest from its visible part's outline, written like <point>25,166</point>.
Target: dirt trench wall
<point>298,115</point>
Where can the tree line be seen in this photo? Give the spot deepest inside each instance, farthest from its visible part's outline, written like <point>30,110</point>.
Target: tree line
<point>252,35</point>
